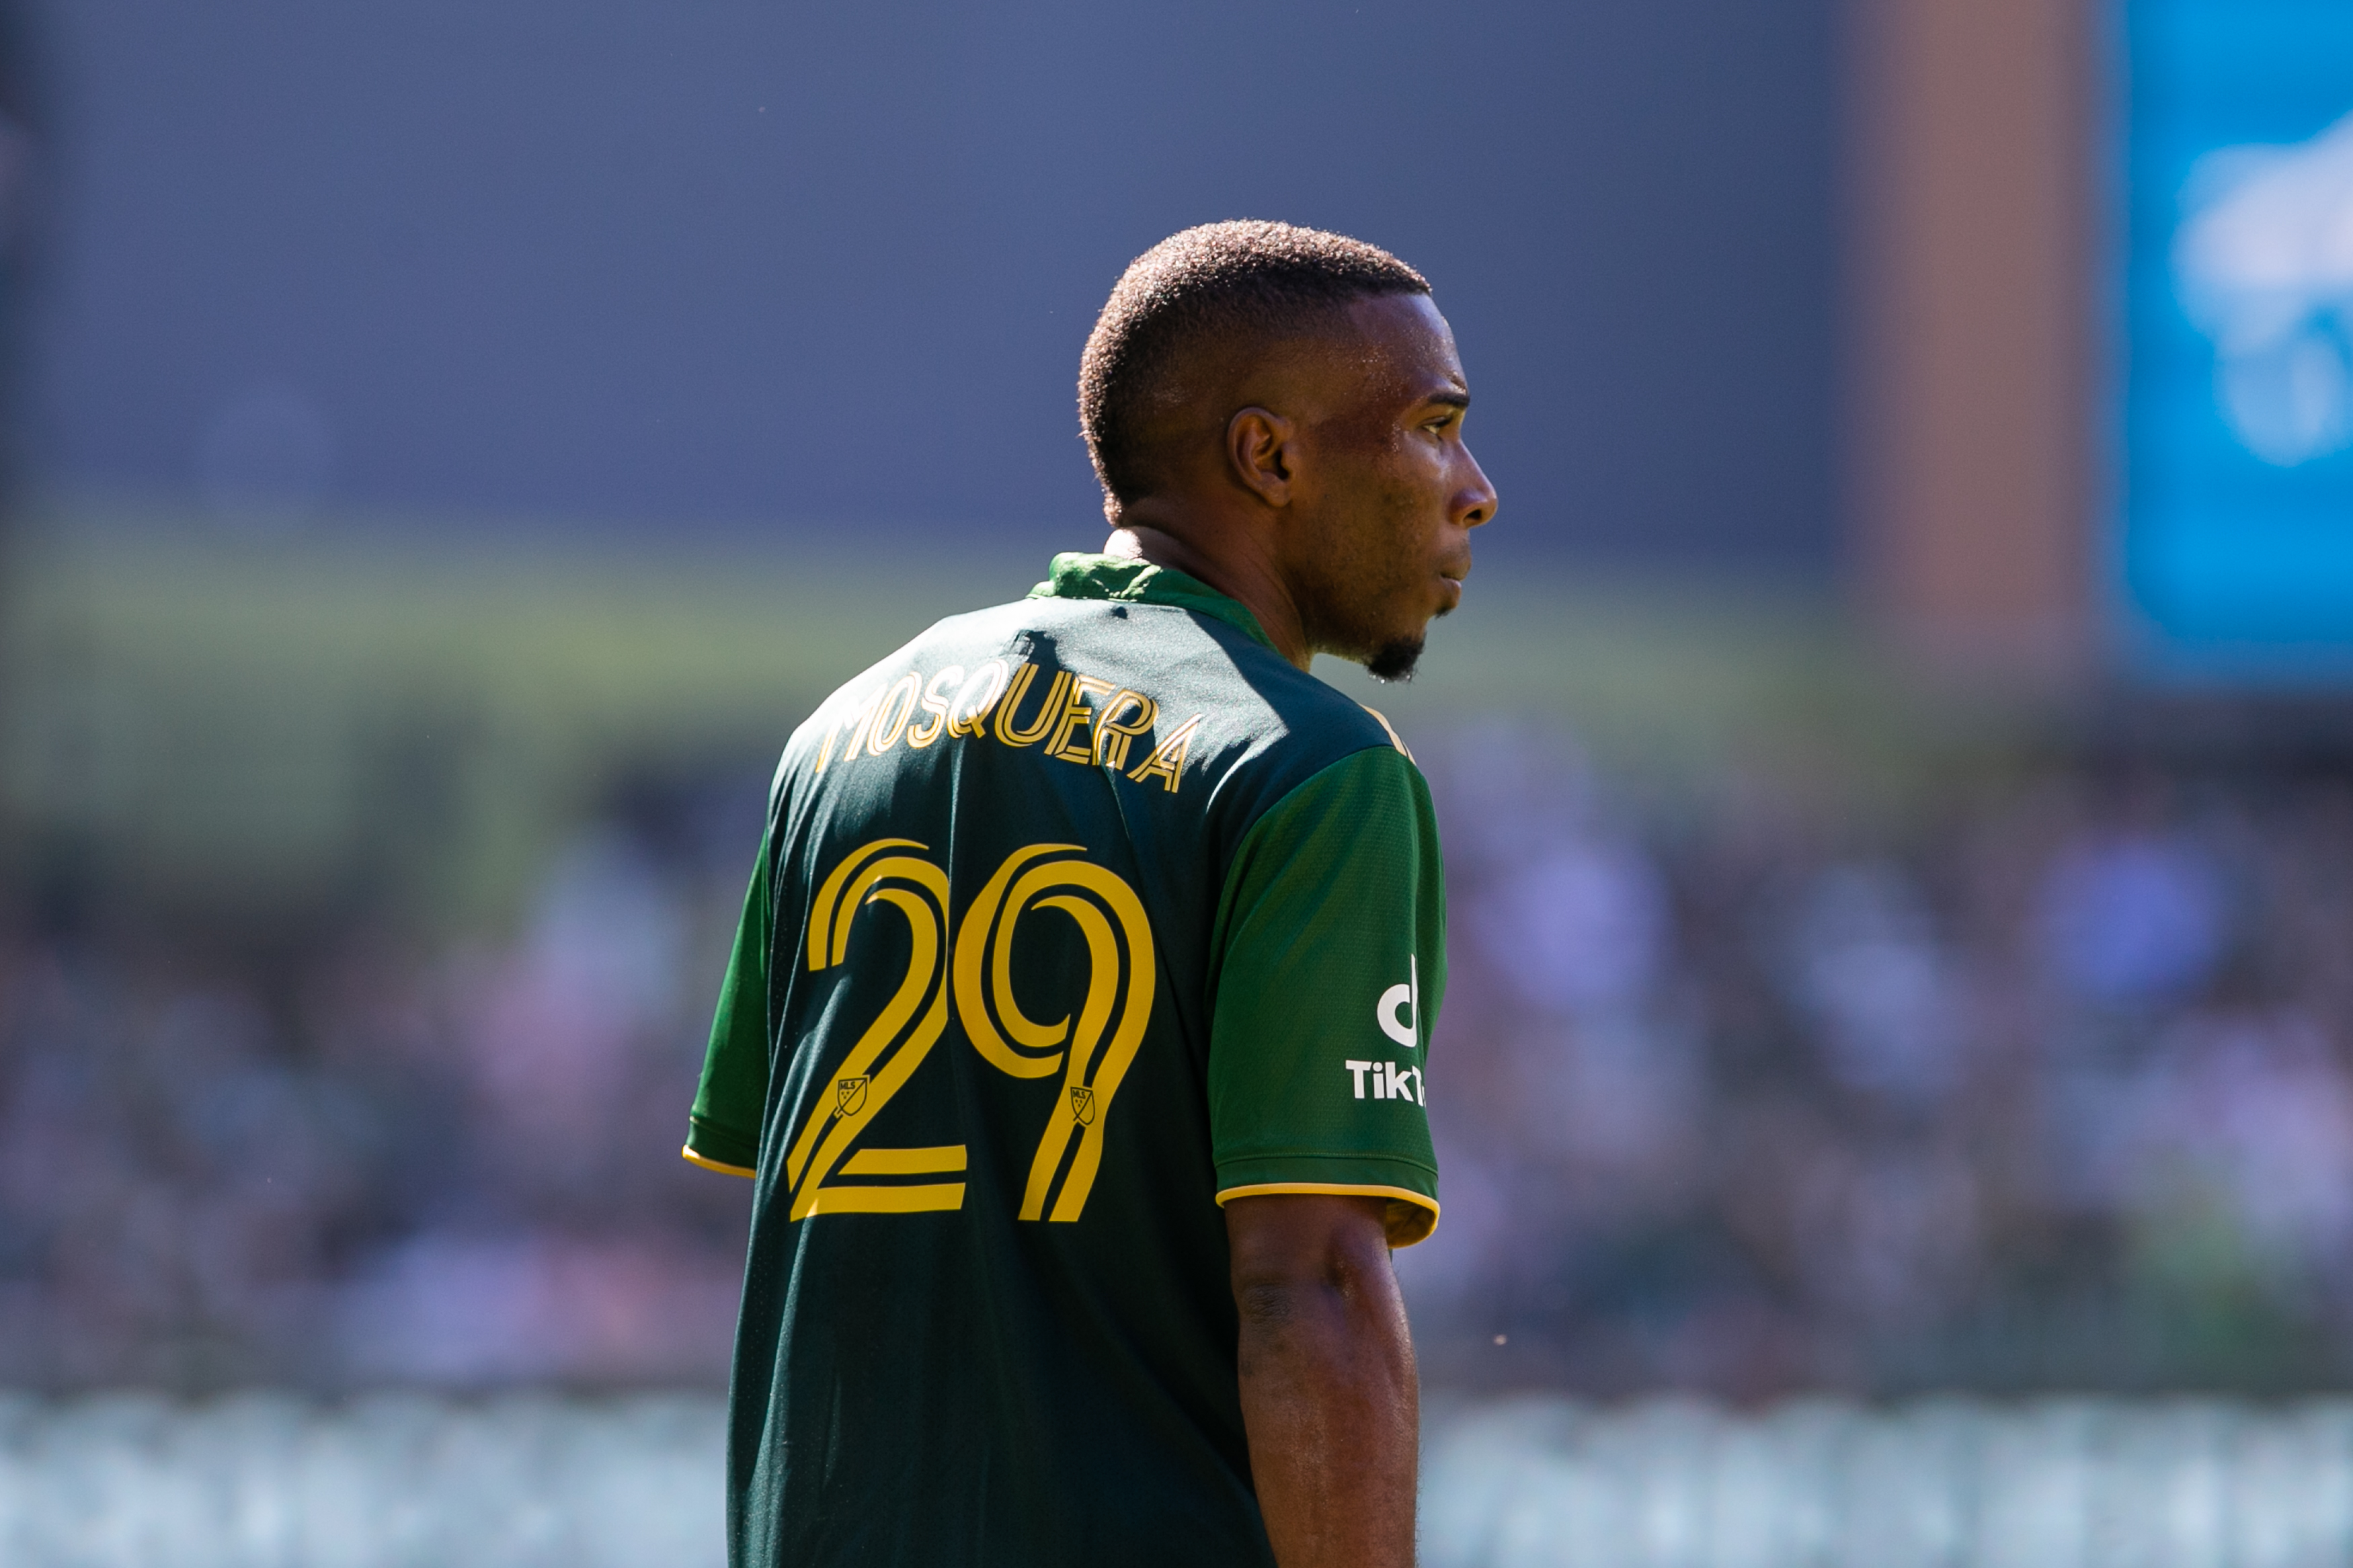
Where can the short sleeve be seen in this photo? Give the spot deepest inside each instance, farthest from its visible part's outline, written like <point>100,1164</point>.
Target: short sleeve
<point>724,1130</point>
<point>1330,965</point>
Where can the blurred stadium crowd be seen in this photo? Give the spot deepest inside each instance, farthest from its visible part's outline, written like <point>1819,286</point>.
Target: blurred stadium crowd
<point>2041,1081</point>
<point>2043,1078</point>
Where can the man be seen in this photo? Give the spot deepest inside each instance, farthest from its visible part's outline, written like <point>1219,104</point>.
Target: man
<point>1074,1034</point>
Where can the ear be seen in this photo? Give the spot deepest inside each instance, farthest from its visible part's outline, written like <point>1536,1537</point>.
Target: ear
<point>1260,454</point>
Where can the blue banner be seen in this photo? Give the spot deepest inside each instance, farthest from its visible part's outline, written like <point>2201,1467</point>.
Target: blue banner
<point>2234,556</point>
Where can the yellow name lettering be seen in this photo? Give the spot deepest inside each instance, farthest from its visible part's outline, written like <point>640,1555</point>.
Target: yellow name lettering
<point>1077,714</point>
<point>1114,733</point>
<point>976,696</point>
<point>1078,718</point>
<point>860,718</point>
<point>1009,728</point>
<point>891,713</point>
<point>1166,762</point>
<point>935,707</point>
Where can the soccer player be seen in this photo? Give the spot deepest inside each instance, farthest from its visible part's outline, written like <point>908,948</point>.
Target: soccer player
<point>1074,1036</point>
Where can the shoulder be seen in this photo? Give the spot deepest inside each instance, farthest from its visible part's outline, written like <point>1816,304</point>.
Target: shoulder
<point>1182,703</point>
<point>1289,726</point>
<point>1371,799</point>
<point>998,627</point>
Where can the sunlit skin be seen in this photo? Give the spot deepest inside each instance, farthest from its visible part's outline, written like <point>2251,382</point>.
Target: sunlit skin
<point>1323,483</point>
<point>1326,485</point>
<point>1329,1397</point>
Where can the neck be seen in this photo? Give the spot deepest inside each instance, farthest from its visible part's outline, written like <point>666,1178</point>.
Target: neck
<point>1233,562</point>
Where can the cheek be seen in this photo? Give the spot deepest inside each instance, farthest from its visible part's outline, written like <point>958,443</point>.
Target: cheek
<point>1389,528</point>
<point>1420,470</point>
<point>1414,495</point>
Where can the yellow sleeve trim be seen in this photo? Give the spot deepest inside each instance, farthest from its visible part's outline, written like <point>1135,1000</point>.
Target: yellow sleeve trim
<point>1411,1218</point>
<point>708,1163</point>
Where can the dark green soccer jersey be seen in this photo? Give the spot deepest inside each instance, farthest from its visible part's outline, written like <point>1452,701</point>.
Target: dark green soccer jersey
<point>1075,918</point>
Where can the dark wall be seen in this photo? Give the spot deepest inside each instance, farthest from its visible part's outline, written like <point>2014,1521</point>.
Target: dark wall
<point>714,263</point>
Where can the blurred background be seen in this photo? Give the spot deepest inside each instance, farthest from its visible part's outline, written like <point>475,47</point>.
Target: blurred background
<point>1895,756</point>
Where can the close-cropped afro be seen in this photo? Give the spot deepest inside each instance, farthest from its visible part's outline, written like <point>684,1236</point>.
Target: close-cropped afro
<point>1268,280</point>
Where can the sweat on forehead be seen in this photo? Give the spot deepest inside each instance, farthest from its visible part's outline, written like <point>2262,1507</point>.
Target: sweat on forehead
<point>1244,283</point>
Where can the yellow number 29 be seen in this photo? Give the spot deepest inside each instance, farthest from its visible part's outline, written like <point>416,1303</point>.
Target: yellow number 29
<point>887,1055</point>
<point>1111,920</point>
<point>1091,1052</point>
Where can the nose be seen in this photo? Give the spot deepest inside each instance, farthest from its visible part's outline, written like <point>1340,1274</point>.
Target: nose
<point>1475,501</point>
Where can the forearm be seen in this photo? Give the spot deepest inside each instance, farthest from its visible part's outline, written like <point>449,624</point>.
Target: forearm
<point>1330,1404</point>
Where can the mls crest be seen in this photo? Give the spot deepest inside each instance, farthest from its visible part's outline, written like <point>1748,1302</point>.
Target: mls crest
<point>1082,1104</point>
<point>850,1096</point>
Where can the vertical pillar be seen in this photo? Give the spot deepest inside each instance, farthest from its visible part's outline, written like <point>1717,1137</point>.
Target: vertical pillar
<point>1970,425</point>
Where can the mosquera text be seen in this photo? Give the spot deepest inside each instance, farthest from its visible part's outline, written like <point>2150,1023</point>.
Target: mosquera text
<point>1076,717</point>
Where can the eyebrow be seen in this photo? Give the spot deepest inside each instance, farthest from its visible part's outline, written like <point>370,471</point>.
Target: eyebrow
<point>1449,399</point>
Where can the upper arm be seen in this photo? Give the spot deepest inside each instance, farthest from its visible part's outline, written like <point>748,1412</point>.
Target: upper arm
<point>1330,963</point>
<point>1282,1241</point>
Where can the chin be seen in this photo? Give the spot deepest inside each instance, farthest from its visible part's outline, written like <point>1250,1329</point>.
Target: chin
<point>1395,660</point>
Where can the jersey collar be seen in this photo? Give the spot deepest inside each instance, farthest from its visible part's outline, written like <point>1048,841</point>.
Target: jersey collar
<point>1073,575</point>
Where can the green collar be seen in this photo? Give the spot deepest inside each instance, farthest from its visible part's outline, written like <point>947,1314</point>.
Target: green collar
<point>1123,577</point>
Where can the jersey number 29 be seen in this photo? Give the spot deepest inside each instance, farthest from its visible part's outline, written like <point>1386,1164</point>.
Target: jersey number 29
<point>1092,1050</point>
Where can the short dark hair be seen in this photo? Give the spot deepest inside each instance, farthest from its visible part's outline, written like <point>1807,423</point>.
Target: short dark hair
<point>1268,280</point>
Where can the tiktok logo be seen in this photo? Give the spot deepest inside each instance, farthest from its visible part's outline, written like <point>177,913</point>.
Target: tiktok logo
<point>1398,1013</point>
<point>1390,1082</point>
<point>1404,1031</point>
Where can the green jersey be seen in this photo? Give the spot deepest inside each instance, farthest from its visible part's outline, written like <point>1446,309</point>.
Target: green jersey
<point>1074,918</point>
